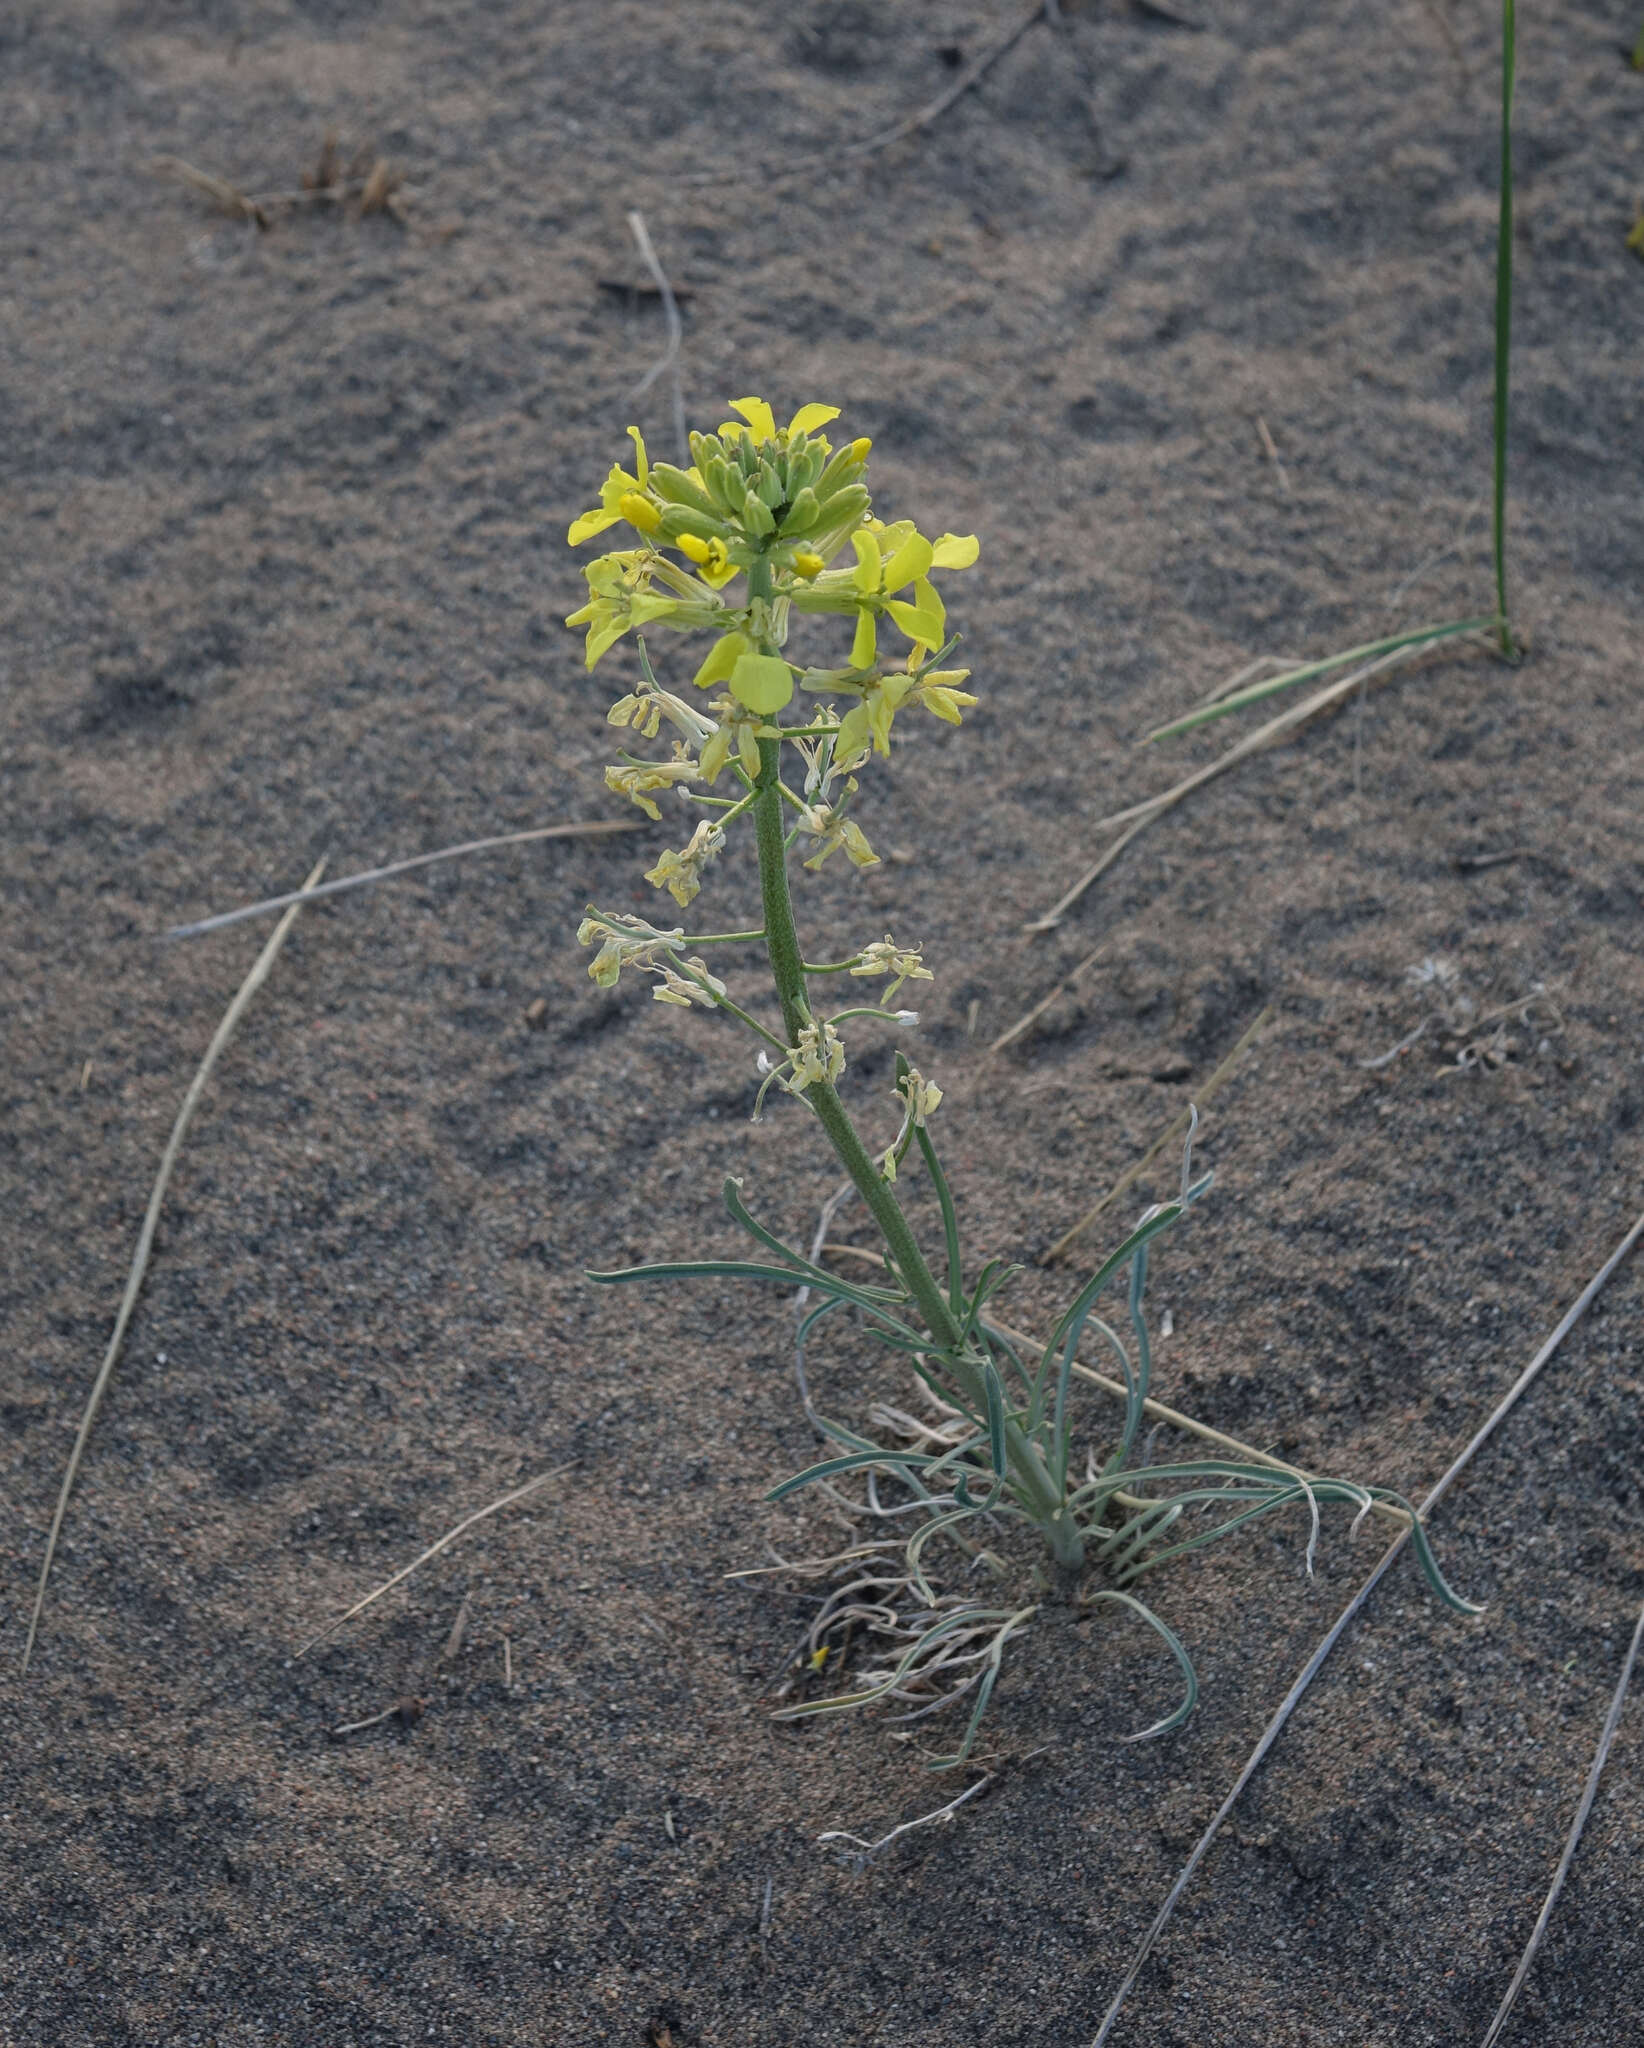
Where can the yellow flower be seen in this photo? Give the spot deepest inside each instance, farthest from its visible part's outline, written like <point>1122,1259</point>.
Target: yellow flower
<point>623,596</point>
<point>634,779</point>
<point>831,829</point>
<point>710,557</point>
<point>617,486</point>
<point>885,956</point>
<point>624,942</point>
<point>938,690</point>
<point>681,873</point>
<point>819,1056</point>
<point>762,420</point>
<point>737,732</point>
<point>695,986</point>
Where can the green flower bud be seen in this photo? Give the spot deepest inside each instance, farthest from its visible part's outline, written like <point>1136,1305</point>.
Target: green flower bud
<point>756,517</point>
<point>678,519</point>
<point>770,486</point>
<point>725,485</point>
<point>844,509</point>
<point>678,488</point>
<point>803,513</point>
<point>844,467</point>
<point>805,466</point>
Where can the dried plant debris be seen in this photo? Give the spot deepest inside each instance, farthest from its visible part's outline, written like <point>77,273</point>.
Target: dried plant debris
<point>361,184</point>
<point>1473,1037</point>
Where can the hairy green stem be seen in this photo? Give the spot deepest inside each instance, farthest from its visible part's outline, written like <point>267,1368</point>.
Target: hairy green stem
<point>1040,1492</point>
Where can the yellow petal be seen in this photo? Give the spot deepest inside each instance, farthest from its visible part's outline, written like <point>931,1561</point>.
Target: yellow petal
<point>810,417</point>
<point>866,643</point>
<point>763,682</point>
<point>955,551</point>
<point>588,525</point>
<point>912,559</point>
<point>867,562</point>
<point>853,734</point>
<point>723,656</point>
<point>758,415</point>
<point>638,440</point>
<point>601,639</point>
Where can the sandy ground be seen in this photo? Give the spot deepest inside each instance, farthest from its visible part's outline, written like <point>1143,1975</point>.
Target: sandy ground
<point>283,522</point>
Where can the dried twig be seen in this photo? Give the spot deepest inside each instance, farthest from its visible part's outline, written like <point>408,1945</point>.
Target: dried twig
<point>1272,454</point>
<point>145,1239</point>
<point>974,72</point>
<point>227,198</point>
<point>867,1851</point>
<point>669,359</point>
<point>1612,1721</point>
<point>1023,1025</point>
<point>407,1712</point>
<point>444,1543</point>
<point>1271,1733</point>
<point>1048,11</point>
<point>1132,1174</point>
<point>593,829</point>
<point>1139,815</point>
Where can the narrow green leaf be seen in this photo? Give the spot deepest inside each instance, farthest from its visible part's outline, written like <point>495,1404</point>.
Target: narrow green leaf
<point>893,1461</point>
<point>1504,319</point>
<point>995,1395</point>
<point>1173,1642</point>
<point>1368,652</point>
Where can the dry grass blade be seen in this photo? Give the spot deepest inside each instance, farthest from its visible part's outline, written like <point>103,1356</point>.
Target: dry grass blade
<point>227,198</point>
<point>145,1240</point>
<point>1612,1721</point>
<point>973,73</point>
<point>1024,1025</point>
<point>1270,1734</point>
<point>1204,1097</point>
<point>593,829</point>
<point>1142,814</point>
<point>1048,11</point>
<point>494,1507</point>
<point>669,359</point>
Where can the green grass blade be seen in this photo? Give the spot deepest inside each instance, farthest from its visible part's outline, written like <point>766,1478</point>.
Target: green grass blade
<point>1504,317</point>
<point>994,1390</point>
<point>950,1219</point>
<point>894,1461</point>
<point>784,1276</point>
<point>1173,1643</point>
<point>1305,674</point>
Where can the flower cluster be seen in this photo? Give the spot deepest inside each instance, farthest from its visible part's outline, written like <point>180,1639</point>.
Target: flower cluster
<point>768,525</point>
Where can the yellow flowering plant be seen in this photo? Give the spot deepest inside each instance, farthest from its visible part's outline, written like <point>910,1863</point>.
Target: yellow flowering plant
<point>768,525</point>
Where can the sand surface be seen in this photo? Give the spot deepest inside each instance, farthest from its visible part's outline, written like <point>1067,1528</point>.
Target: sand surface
<point>283,518</point>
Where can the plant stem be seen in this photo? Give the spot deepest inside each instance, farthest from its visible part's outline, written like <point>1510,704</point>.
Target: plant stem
<point>1039,1491</point>
<point>1504,316</point>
